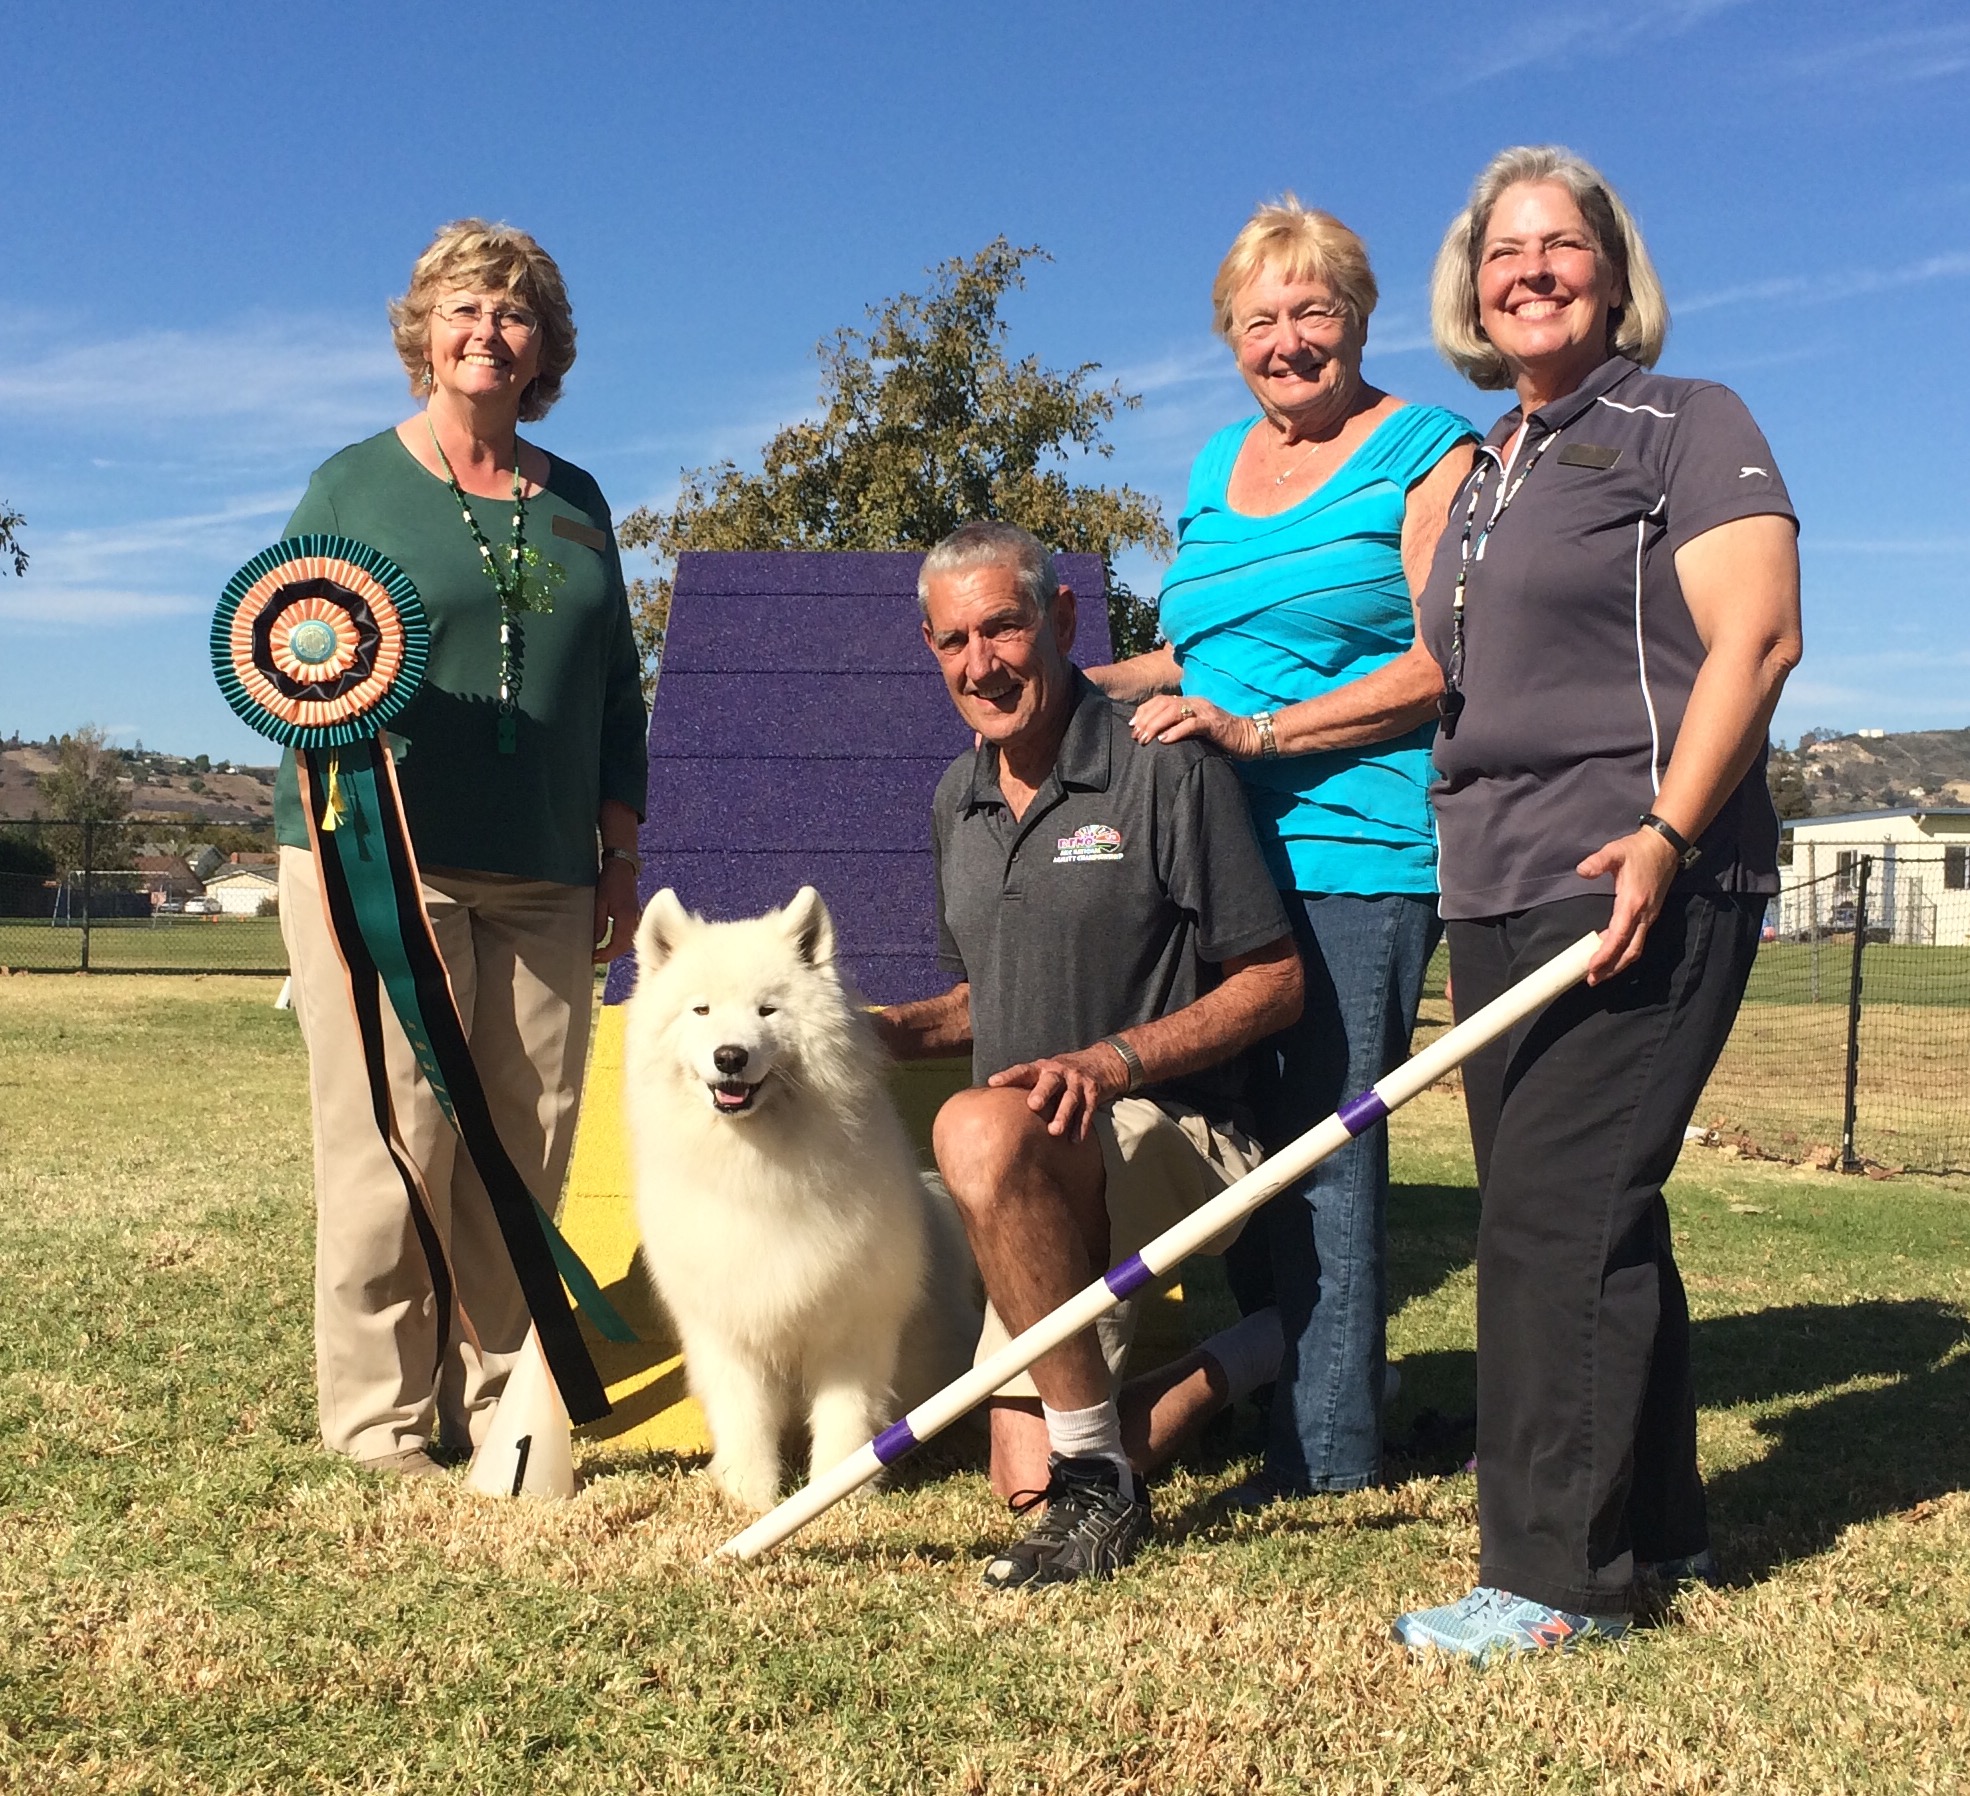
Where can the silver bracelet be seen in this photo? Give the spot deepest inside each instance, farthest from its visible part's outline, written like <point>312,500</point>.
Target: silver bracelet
<point>1268,742</point>
<point>1130,1059</point>
<point>635,861</point>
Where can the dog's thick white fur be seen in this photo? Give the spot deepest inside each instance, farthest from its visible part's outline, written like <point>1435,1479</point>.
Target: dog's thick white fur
<point>812,1276</point>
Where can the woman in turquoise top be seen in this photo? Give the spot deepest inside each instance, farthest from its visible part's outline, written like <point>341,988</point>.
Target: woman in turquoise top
<point>1290,642</point>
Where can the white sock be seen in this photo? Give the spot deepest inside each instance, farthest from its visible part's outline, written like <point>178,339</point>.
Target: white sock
<point>1091,1433</point>
<point>1249,1351</point>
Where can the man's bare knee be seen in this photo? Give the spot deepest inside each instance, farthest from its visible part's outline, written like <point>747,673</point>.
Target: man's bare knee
<point>981,1137</point>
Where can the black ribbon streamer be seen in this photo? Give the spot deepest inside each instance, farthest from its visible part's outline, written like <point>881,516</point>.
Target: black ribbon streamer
<point>512,1201</point>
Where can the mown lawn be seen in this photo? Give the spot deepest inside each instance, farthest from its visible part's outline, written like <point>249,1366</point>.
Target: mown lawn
<point>145,945</point>
<point>197,1600</point>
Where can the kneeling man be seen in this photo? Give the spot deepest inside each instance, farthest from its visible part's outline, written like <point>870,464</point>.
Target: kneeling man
<point>1117,944</point>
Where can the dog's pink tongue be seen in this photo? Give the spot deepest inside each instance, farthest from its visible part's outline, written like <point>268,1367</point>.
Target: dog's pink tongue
<point>729,1100</point>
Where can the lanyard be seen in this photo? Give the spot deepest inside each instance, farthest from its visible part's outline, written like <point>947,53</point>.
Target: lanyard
<point>1450,702</point>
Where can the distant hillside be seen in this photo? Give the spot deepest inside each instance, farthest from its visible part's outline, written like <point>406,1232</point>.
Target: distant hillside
<point>1834,774</point>
<point>161,788</point>
<point>1885,773</point>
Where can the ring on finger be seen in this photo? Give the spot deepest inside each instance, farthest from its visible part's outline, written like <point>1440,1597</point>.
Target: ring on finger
<point>1187,711</point>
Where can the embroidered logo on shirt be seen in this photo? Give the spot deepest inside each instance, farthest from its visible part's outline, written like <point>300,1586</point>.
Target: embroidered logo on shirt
<point>1091,842</point>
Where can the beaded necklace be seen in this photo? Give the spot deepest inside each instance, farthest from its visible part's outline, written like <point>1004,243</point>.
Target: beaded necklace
<point>515,594</point>
<point>1450,701</point>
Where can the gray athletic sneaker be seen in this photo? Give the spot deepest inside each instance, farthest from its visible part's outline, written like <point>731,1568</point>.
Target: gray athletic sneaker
<point>1090,1530</point>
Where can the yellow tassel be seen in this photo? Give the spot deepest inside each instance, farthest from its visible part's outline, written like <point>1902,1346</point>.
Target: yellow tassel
<point>338,806</point>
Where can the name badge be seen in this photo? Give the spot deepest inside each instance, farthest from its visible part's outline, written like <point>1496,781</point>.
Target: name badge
<point>1586,455</point>
<point>591,538</point>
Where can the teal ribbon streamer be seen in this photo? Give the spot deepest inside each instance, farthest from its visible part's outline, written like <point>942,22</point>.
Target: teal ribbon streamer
<point>359,846</point>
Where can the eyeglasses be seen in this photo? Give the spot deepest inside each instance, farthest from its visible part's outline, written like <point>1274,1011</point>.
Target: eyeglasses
<point>508,321</point>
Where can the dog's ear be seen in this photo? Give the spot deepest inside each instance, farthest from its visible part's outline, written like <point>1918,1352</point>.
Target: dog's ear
<point>812,929</point>
<point>665,923</point>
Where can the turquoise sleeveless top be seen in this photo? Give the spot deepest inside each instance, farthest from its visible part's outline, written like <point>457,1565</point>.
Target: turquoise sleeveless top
<point>1262,612</point>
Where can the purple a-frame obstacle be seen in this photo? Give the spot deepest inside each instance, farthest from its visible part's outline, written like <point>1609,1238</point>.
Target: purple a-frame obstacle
<point>798,734</point>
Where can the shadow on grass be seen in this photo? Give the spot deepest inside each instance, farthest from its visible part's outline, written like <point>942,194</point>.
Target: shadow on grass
<point>1853,1456</point>
<point>1432,1237</point>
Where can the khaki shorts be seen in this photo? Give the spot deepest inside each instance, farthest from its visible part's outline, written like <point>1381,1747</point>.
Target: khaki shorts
<point>1161,1162</point>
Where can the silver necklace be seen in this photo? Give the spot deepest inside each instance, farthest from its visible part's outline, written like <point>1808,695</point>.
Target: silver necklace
<point>1299,467</point>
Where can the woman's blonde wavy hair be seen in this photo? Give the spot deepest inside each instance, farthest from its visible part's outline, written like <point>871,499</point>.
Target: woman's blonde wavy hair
<point>495,258</point>
<point>1638,326</point>
<point>1302,244</point>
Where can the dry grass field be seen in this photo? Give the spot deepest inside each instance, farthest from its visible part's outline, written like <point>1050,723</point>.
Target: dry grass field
<point>198,1601</point>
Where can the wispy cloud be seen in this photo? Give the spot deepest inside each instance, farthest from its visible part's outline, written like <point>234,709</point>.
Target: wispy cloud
<point>86,557</point>
<point>1847,283</point>
<point>299,381</point>
<point>1930,53</point>
<point>80,579</point>
<point>1885,692</point>
<point>1585,32</point>
<point>1209,361</point>
<point>64,610</point>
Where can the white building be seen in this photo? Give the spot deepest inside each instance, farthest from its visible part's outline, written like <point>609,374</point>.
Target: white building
<point>244,891</point>
<point>1918,887</point>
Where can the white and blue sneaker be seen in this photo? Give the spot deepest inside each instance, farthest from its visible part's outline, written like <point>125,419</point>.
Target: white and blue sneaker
<point>1495,1624</point>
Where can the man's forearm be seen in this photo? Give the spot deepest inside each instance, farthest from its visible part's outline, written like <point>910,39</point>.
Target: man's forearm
<point>1259,995</point>
<point>927,1028</point>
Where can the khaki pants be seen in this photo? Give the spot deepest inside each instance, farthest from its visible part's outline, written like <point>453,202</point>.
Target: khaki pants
<point>519,952</point>
<point>1159,1163</point>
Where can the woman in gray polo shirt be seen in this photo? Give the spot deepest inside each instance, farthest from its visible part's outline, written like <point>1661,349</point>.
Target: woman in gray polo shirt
<point>1614,606</point>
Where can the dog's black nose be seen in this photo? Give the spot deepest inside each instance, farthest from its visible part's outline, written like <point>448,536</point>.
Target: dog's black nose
<point>730,1060</point>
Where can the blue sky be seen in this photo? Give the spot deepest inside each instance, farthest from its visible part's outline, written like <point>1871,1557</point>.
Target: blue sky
<point>206,208</point>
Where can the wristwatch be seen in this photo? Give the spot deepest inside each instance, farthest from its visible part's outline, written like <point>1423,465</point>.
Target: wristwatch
<point>634,860</point>
<point>1268,742</point>
<point>1130,1059</point>
<point>1687,852</point>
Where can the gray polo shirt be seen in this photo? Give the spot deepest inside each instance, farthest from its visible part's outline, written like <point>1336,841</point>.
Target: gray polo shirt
<point>1110,903</point>
<point>1579,652</point>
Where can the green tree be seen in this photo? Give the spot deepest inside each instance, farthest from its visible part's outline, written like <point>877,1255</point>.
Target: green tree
<point>83,788</point>
<point>925,422</point>
<point>1787,778</point>
<point>10,545</point>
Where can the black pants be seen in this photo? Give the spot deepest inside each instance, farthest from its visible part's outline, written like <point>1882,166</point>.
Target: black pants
<point>1586,1410</point>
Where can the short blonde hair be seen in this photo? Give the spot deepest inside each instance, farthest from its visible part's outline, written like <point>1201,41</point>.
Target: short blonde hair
<point>471,252</point>
<point>1640,323</point>
<point>1302,244</point>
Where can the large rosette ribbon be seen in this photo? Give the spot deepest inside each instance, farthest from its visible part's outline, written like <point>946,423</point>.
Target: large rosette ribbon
<point>318,642</point>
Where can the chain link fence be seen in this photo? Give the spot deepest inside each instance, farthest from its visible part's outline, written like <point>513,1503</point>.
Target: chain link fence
<point>75,897</point>
<point>1853,1045</point>
<point>1852,1048</point>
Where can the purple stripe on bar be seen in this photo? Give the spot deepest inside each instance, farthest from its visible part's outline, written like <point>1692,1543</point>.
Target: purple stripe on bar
<point>894,1441</point>
<point>1362,1113</point>
<point>1129,1277</point>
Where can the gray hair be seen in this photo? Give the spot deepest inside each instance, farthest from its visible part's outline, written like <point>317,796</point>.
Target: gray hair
<point>991,542</point>
<point>1640,324</point>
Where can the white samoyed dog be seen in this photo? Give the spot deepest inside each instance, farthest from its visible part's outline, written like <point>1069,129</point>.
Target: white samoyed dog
<point>813,1277</point>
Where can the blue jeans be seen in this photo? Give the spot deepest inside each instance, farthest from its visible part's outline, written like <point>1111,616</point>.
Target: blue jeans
<point>1318,1249</point>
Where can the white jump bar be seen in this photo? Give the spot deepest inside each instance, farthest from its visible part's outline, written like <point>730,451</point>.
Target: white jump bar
<point>1236,1201</point>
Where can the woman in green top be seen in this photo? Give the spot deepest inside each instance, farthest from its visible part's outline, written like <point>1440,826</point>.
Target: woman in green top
<point>521,762</point>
